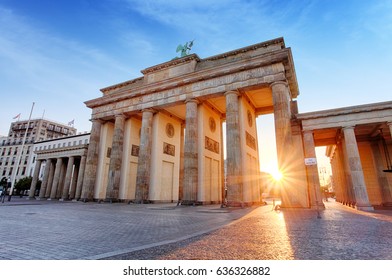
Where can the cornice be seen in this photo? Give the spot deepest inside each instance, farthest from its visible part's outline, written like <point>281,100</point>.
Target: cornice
<point>279,40</point>
<point>346,110</point>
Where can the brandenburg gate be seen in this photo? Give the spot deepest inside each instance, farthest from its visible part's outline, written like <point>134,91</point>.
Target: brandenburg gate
<point>159,138</point>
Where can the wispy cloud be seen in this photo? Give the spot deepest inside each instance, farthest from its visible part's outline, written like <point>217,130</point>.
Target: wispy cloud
<point>53,69</point>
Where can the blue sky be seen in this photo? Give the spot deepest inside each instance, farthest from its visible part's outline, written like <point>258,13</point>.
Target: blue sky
<point>59,54</point>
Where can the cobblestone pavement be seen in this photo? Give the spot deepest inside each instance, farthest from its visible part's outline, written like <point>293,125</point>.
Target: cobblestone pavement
<point>69,230</point>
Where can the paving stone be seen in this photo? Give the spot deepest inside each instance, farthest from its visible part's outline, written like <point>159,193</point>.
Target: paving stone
<point>68,230</point>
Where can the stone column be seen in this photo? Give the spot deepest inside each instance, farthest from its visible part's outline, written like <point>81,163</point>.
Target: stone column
<point>282,117</point>
<point>234,178</point>
<point>355,170</point>
<point>191,161</point>
<point>390,127</point>
<point>222,167</point>
<point>91,162</point>
<point>56,178</point>
<point>62,178</point>
<point>381,175</point>
<point>181,183</point>
<point>79,183</point>
<point>115,160</point>
<point>75,176</point>
<point>312,172</point>
<point>35,178</point>
<point>50,180</point>
<point>45,180</point>
<point>144,162</point>
<point>68,176</point>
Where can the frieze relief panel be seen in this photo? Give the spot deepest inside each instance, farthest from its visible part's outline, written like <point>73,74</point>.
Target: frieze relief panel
<point>135,151</point>
<point>250,141</point>
<point>169,149</point>
<point>211,145</point>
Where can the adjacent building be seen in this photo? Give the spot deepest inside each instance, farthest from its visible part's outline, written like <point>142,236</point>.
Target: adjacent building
<point>59,164</point>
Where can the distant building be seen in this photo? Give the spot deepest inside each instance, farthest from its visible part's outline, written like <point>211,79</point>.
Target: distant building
<point>37,130</point>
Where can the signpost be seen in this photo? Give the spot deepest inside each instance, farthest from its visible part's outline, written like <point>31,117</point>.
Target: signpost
<point>310,162</point>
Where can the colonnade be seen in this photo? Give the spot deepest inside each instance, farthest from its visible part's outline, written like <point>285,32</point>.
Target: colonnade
<point>62,177</point>
<point>190,149</point>
<point>358,175</point>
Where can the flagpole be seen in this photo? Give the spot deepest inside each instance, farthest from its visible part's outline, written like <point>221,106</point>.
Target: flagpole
<point>14,172</point>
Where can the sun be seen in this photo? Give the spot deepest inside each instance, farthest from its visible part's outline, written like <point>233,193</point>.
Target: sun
<point>277,175</point>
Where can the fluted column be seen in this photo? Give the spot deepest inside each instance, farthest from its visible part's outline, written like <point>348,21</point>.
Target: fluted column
<point>282,117</point>
<point>234,178</point>
<point>75,176</point>
<point>181,183</point>
<point>35,178</point>
<point>355,170</point>
<point>381,175</point>
<point>82,167</point>
<point>144,162</point>
<point>312,171</point>
<point>67,181</point>
<point>56,178</point>
<point>115,159</point>
<point>50,179</point>
<point>390,127</point>
<point>190,153</point>
<point>91,162</point>
<point>45,180</point>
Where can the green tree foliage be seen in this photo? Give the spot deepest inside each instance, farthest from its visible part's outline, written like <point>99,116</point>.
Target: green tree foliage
<point>23,184</point>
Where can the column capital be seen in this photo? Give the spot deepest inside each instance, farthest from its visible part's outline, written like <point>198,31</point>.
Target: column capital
<point>194,100</point>
<point>120,115</point>
<point>236,92</point>
<point>348,127</point>
<point>279,83</point>
<point>149,110</point>
<point>307,131</point>
<point>389,123</point>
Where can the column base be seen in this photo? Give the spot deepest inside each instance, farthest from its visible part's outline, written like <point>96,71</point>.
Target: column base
<point>190,203</point>
<point>30,198</point>
<point>141,202</point>
<point>109,200</point>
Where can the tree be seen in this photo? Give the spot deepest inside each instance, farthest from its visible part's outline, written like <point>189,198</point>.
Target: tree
<point>23,184</point>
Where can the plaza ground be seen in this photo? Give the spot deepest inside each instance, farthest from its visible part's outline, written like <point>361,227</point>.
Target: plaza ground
<point>53,230</point>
